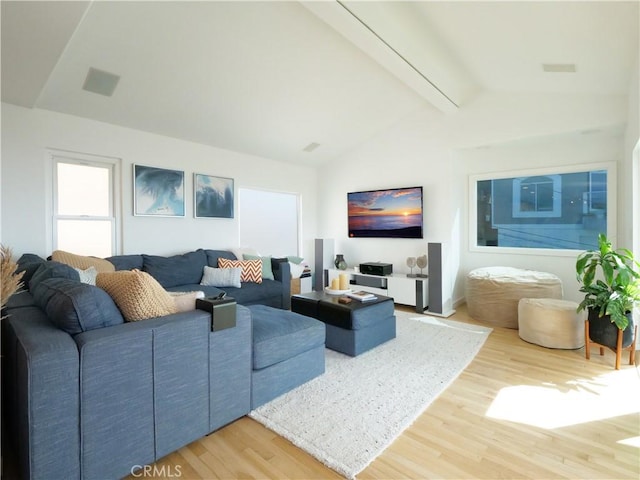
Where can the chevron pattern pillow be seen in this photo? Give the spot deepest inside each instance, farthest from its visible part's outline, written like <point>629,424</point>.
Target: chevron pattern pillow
<point>251,269</point>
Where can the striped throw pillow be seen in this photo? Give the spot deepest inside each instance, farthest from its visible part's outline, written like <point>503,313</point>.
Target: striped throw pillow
<point>251,269</point>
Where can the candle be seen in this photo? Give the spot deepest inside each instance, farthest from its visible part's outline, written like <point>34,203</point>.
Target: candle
<point>344,281</point>
<point>335,284</point>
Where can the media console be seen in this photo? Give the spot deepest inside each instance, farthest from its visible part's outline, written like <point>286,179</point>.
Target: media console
<point>404,290</point>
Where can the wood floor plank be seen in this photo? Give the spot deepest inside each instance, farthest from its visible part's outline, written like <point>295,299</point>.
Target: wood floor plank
<point>461,435</point>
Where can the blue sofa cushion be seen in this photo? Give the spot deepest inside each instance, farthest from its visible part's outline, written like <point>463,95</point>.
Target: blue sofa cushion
<point>176,270</point>
<point>265,293</point>
<point>76,307</point>
<point>126,262</point>
<point>52,269</point>
<point>279,335</point>
<point>20,299</point>
<point>29,264</point>
<point>268,292</point>
<point>214,255</point>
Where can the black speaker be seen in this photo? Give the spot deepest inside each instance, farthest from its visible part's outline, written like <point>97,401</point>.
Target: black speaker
<point>440,302</point>
<point>434,253</point>
<point>324,258</point>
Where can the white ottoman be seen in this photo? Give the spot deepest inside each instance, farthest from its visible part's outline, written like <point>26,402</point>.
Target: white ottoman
<point>492,293</point>
<point>551,323</point>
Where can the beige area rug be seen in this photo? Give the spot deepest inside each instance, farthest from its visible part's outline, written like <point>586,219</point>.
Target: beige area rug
<point>348,416</point>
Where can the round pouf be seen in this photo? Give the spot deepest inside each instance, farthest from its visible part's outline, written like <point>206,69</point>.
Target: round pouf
<point>493,293</point>
<point>551,323</point>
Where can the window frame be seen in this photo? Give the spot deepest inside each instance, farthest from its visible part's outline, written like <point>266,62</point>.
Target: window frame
<point>609,167</point>
<point>113,166</point>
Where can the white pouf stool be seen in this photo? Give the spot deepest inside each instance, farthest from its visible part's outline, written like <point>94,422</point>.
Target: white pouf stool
<point>551,323</point>
<point>492,293</point>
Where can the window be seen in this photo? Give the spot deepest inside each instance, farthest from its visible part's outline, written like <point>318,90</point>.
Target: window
<point>84,205</point>
<point>552,210</point>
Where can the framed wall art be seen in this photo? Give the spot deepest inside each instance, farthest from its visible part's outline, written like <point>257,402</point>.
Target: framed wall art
<point>213,196</point>
<point>158,192</point>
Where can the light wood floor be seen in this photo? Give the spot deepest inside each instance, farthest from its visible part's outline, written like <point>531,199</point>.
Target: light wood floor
<point>517,411</point>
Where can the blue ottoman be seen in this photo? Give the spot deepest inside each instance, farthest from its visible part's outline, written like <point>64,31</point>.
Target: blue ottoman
<point>352,328</point>
<point>288,350</point>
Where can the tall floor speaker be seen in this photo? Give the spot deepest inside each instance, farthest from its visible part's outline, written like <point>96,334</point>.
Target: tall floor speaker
<point>323,261</point>
<point>440,302</point>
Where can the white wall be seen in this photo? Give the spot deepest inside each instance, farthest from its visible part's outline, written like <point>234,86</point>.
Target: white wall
<point>26,182</point>
<point>439,152</point>
<point>631,237</point>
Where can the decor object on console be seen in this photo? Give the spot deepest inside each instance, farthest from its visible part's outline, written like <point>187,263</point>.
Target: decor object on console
<point>340,262</point>
<point>422,263</point>
<point>493,293</point>
<point>158,192</point>
<point>411,263</point>
<point>610,280</point>
<point>213,196</point>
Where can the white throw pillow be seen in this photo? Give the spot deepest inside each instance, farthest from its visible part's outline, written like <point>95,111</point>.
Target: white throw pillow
<point>296,270</point>
<point>221,277</point>
<point>186,301</point>
<point>88,275</point>
<point>240,251</point>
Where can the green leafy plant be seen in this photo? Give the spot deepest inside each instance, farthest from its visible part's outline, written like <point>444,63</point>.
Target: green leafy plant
<point>610,280</point>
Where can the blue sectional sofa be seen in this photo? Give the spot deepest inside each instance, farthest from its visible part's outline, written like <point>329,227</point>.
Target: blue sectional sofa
<point>180,273</point>
<point>87,395</point>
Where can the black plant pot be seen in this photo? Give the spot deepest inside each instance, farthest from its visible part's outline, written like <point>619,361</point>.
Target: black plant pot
<point>604,332</point>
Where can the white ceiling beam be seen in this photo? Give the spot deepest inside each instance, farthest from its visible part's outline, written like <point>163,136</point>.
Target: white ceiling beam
<point>394,35</point>
<point>34,36</point>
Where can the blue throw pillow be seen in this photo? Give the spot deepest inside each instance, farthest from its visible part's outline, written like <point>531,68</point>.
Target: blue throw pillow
<point>29,264</point>
<point>177,270</point>
<point>76,307</point>
<point>126,262</point>
<point>52,269</point>
<point>214,255</point>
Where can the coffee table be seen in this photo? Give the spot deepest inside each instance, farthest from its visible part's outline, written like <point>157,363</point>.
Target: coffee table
<point>352,328</point>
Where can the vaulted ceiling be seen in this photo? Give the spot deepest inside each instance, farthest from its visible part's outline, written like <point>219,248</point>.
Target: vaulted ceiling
<point>273,78</point>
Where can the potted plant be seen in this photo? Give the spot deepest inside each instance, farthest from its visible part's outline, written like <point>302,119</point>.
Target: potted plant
<point>610,280</point>
<point>10,280</point>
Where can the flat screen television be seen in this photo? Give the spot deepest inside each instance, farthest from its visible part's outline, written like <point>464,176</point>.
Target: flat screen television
<point>388,213</point>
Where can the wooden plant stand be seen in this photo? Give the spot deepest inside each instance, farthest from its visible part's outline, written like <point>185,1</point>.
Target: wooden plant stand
<point>632,348</point>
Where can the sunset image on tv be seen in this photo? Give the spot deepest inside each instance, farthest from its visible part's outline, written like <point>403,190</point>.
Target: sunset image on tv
<point>394,213</point>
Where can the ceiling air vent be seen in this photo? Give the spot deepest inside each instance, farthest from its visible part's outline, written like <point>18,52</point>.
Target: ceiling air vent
<point>100,82</point>
<point>559,67</point>
<point>311,147</point>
